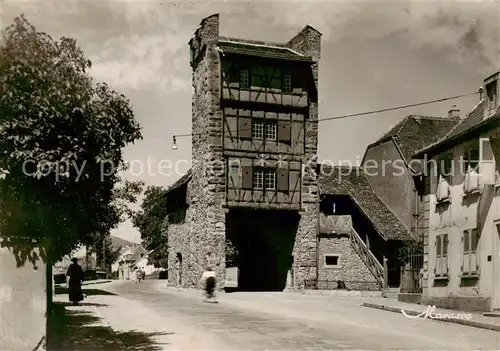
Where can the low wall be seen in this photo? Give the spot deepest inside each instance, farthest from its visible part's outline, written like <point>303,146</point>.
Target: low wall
<point>23,303</point>
<point>461,303</point>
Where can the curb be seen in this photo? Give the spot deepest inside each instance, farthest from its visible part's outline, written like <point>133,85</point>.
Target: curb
<point>470,323</point>
<point>97,282</point>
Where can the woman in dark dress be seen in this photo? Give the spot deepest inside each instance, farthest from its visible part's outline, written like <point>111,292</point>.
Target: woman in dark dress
<point>75,274</point>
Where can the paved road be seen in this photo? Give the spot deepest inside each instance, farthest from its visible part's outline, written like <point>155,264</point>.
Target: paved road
<point>278,321</point>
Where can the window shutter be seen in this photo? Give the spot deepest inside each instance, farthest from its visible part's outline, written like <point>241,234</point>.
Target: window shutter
<point>473,240</point>
<point>438,245</point>
<point>247,177</point>
<point>466,240</point>
<point>282,182</point>
<point>495,146</point>
<point>445,244</point>
<point>427,183</point>
<point>284,131</point>
<point>245,127</point>
<point>487,163</point>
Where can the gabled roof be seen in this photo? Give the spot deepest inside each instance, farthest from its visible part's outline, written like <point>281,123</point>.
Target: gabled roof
<point>134,253</point>
<point>341,180</point>
<point>414,132</point>
<point>260,49</point>
<point>470,124</point>
<point>181,181</point>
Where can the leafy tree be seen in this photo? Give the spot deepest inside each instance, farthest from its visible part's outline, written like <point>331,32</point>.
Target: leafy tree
<point>152,223</point>
<point>61,136</point>
<point>110,254</point>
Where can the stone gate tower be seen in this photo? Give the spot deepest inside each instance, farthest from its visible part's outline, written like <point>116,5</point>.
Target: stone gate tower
<point>252,184</point>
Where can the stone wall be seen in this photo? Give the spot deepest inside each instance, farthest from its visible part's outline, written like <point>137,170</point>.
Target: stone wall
<point>308,42</point>
<point>201,240</point>
<point>351,269</point>
<point>23,303</point>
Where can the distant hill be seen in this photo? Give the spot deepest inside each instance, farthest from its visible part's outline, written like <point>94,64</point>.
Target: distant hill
<point>117,242</point>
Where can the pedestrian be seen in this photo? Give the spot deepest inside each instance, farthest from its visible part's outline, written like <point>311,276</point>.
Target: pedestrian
<point>75,275</point>
<point>209,281</point>
<point>143,274</point>
<point>138,275</point>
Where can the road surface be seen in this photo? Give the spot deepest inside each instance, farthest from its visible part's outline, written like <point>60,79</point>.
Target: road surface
<point>274,321</point>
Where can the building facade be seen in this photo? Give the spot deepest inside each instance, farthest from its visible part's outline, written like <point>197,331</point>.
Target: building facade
<point>462,204</point>
<point>250,199</point>
<point>25,289</point>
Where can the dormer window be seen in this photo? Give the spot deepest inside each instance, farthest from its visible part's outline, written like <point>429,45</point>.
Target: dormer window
<point>492,95</point>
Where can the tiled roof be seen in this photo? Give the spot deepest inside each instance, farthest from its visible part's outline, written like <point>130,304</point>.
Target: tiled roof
<point>261,50</point>
<point>181,181</point>
<point>472,120</point>
<point>414,132</point>
<point>342,180</point>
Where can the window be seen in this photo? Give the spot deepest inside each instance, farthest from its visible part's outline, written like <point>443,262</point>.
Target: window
<point>487,162</point>
<point>332,260</point>
<point>271,130</point>
<point>264,178</point>
<point>491,92</point>
<point>470,241</point>
<point>441,269</point>
<point>495,146</point>
<point>257,129</point>
<point>287,82</point>
<point>264,129</point>
<point>244,79</point>
<point>445,168</point>
<point>471,159</point>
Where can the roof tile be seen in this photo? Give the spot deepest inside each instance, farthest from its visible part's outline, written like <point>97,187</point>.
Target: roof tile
<point>342,180</point>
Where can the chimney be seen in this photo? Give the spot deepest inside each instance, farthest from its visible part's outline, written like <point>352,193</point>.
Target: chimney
<point>454,112</point>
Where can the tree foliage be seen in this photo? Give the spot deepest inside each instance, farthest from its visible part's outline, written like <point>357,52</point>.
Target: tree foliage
<point>109,255</point>
<point>152,223</point>
<point>61,136</point>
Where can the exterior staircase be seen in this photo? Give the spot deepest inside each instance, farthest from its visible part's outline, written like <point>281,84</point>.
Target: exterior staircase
<point>367,257</point>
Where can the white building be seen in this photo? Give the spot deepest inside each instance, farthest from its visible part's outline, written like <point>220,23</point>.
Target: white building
<point>462,247</point>
<point>130,258</point>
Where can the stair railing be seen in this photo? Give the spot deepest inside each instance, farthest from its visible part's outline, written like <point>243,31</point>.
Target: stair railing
<point>367,257</point>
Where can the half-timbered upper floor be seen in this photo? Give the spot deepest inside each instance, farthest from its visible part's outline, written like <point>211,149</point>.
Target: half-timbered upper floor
<point>261,74</point>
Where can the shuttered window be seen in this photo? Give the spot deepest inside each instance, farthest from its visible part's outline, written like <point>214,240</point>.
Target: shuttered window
<point>487,162</point>
<point>284,131</point>
<point>246,177</point>
<point>441,268</point>
<point>470,264</point>
<point>245,127</point>
<point>282,182</point>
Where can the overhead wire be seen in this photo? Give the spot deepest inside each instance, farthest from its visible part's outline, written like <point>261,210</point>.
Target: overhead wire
<point>363,113</point>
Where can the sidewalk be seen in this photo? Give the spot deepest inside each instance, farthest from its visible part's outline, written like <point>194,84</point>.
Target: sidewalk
<point>472,319</point>
<point>106,321</point>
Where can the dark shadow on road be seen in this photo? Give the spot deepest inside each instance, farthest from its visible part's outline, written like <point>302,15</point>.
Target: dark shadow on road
<point>76,330</point>
<point>83,304</point>
<point>88,292</point>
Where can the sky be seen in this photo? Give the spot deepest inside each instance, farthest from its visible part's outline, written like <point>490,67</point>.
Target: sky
<point>375,55</point>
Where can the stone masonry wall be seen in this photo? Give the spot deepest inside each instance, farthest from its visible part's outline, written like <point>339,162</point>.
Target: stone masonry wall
<point>308,42</point>
<point>201,240</point>
<point>351,269</point>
